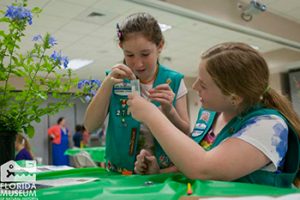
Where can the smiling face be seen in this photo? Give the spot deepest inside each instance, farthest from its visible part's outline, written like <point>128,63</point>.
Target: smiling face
<point>210,94</point>
<point>141,56</point>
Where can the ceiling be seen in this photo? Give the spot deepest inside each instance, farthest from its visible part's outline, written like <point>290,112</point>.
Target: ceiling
<point>196,26</point>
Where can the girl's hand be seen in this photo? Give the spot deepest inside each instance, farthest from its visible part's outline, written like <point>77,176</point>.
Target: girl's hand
<point>146,163</point>
<point>120,72</point>
<point>139,107</point>
<point>164,95</point>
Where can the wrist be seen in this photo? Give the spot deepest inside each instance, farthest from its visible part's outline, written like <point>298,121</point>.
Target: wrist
<point>169,111</point>
<point>108,81</point>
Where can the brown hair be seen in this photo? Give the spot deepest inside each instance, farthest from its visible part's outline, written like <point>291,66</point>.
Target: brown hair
<point>142,23</point>
<point>239,69</point>
<point>20,139</point>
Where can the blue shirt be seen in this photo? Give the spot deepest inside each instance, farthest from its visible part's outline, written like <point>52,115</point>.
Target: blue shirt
<point>23,155</point>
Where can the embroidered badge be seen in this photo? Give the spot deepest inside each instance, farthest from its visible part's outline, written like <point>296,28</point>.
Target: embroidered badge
<point>205,116</point>
<point>197,133</point>
<point>123,111</point>
<point>200,126</point>
<point>122,89</point>
<point>163,161</point>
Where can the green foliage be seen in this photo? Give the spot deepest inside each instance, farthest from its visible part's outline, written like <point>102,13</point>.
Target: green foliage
<point>43,74</point>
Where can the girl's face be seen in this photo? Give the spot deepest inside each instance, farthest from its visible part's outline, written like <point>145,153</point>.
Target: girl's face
<point>141,56</point>
<point>210,94</point>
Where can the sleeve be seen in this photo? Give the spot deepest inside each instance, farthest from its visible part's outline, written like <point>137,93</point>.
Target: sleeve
<point>182,90</point>
<point>269,134</point>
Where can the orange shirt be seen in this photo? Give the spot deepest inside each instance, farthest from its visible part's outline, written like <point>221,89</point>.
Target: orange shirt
<point>54,132</point>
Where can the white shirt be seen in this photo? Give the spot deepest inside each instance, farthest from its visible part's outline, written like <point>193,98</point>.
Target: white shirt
<point>269,134</point>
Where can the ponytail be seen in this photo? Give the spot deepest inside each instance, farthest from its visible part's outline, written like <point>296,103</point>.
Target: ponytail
<point>20,139</point>
<point>28,148</point>
<point>272,99</point>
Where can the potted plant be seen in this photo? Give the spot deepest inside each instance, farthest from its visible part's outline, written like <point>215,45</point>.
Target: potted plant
<point>42,70</point>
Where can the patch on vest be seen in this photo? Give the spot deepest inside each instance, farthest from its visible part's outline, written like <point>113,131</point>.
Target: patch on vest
<point>197,133</point>
<point>200,126</point>
<point>122,89</point>
<point>199,129</point>
<point>205,116</point>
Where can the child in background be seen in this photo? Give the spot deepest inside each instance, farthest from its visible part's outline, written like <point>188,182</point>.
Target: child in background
<point>77,137</point>
<point>23,148</point>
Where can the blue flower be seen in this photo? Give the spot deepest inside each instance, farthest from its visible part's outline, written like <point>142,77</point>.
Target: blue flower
<point>96,82</point>
<point>52,41</point>
<point>65,61</point>
<point>87,98</point>
<point>37,38</point>
<point>82,83</point>
<point>91,86</point>
<point>19,13</point>
<point>93,92</point>
<point>57,57</point>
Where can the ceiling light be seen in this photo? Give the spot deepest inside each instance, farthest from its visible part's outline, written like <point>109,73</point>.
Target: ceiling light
<point>164,27</point>
<point>255,47</point>
<point>78,63</point>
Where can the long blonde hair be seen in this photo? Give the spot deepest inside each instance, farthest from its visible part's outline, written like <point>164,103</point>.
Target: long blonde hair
<point>20,139</point>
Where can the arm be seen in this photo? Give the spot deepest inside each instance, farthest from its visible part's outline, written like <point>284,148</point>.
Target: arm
<point>98,108</point>
<point>146,163</point>
<point>232,159</point>
<point>53,132</point>
<point>178,115</point>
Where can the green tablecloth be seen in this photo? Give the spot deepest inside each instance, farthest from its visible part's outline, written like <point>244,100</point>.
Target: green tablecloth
<point>163,186</point>
<point>96,153</point>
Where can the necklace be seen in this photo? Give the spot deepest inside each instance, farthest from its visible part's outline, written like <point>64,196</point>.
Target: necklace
<point>153,78</point>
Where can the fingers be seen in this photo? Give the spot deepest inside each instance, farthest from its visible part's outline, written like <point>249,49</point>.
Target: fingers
<point>131,96</point>
<point>162,98</point>
<point>163,87</point>
<point>115,80</point>
<point>141,165</point>
<point>139,170</point>
<point>144,152</point>
<point>167,96</point>
<point>123,71</point>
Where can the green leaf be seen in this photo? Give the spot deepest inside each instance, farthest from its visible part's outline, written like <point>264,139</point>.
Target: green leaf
<point>29,130</point>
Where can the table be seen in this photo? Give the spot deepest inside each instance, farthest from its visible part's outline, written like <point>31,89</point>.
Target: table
<point>161,186</point>
<point>96,153</point>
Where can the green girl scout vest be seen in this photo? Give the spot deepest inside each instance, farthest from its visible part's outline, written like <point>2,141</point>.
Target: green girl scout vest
<point>292,159</point>
<point>123,131</point>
